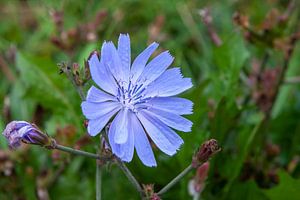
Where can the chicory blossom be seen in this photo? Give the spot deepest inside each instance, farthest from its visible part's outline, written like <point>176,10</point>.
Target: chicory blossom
<point>22,131</point>
<point>139,98</point>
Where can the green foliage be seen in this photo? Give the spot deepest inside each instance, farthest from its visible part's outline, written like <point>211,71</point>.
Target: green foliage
<point>229,58</point>
<point>42,85</point>
<point>247,191</point>
<point>287,189</point>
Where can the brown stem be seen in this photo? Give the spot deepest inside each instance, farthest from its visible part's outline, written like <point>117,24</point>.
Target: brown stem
<point>286,63</point>
<point>6,70</point>
<point>208,22</point>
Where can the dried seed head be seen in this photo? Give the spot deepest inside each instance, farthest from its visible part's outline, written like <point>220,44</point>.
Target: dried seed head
<point>207,150</point>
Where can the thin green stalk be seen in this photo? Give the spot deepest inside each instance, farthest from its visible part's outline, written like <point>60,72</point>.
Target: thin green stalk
<point>98,181</point>
<point>126,171</point>
<point>80,153</point>
<point>130,177</point>
<point>292,80</point>
<point>99,175</point>
<point>176,179</point>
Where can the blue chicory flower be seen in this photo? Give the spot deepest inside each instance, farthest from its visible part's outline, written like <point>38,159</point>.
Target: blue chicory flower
<point>141,97</point>
<point>22,131</point>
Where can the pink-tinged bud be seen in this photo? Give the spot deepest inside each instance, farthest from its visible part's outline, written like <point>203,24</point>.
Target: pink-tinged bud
<point>202,172</point>
<point>21,131</point>
<point>155,197</point>
<point>207,149</point>
<point>197,184</point>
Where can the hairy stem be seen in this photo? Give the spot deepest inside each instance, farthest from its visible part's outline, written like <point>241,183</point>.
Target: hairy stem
<point>176,179</point>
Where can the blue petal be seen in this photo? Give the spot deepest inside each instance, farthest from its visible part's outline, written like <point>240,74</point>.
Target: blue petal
<point>155,68</point>
<point>125,150</point>
<point>175,105</point>
<point>141,143</point>
<point>24,130</point>
<point>95,95</point>
<point>141,60</point>
<point>18,124</point>
<point>128,146</point>
<point>101,75</point>
<point>96,110</point>
<point>112,59</point>
<point>168,84</point>
<point>122,127</point>
<point>116,148</point>
<point>175,121</point>
<point>95,126</point>
<point>163,136</point>
<point>124,51</point>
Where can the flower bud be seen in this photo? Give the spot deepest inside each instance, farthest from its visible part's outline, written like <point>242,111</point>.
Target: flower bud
<point>21,131</point>
<point>197,184</point>
<point>207,149</point>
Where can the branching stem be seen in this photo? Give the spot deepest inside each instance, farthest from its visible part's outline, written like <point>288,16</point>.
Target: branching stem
<point>176,179</point>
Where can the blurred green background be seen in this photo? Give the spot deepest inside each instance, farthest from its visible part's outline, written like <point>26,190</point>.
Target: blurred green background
<point>235,52</point>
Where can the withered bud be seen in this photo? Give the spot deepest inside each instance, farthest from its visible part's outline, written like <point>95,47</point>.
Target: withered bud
<point>63,67</point>
<point>75,67</point>
<point>87,73</point>
<point>149,192</point>
<point>58,18</point>
<point>57,42</point>
<point>86,123</point>
<point>100,16</point>
<point>83,141</point>
<point>207,150</point>
<point>272,150</point>
<point>155,28</point>
<point>241,20</point>
<point>208,21</point>
<point>292,166</point>
<point>205,15</point>
<point>105,151</point>
<point>76,74</point>
<point>155,197</point>
<point>92,53</point>
<point>72,33</point>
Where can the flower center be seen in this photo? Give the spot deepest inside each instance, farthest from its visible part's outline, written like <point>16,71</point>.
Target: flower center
<point>131,95</point>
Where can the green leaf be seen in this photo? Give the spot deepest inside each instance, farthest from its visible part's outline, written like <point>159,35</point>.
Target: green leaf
<point>43,85</point>
<point>244,144</point>
<point>246,191</point>
<point>223,120</point>
<point>21,108</point>
<point>229,58</point>
<point>232,54</point>
<point>288,188</point>
<point>287,91</point>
